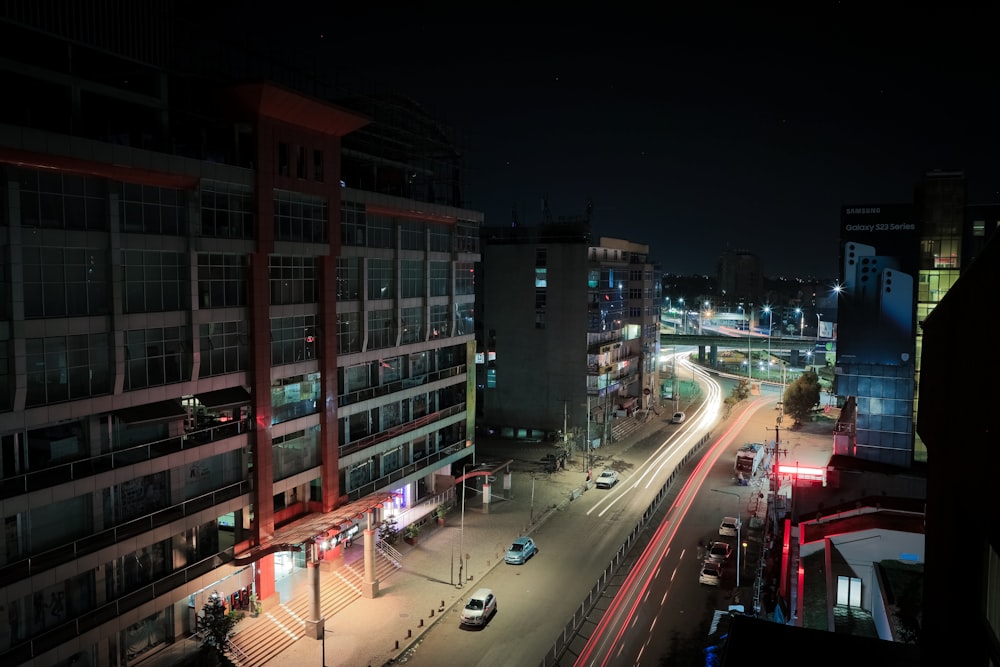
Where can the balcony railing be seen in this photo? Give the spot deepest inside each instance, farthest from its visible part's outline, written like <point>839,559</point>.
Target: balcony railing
<point>392,387</point>
<point>74,470</point>
<point>65,553</point>
<point>387,480</point>
<point>400,429</point>
<point>76,627</point>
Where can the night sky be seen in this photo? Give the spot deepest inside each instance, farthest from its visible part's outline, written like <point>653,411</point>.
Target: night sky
<point>690,131</point>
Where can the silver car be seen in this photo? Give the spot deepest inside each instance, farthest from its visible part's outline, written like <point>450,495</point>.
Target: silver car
<point>479,608</point>
<point>607,479</point>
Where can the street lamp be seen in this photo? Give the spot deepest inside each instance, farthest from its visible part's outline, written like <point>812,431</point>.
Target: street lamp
<point>819,317</point>
<point>802,321</point>
<point>770,324</point>
<point>739,525</point>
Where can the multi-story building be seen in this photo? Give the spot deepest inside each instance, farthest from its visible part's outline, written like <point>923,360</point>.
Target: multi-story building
<point>571,331</point>
<point>898,261</point>
<point>212,337</point>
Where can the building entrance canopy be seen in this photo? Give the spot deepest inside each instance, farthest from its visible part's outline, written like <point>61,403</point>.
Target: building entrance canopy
<point>316,527</point>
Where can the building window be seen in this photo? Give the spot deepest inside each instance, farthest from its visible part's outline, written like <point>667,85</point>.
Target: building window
<point>413,325</point>
<point>61,282</point>
<point>541,301</point>
<point>467,237</point>
<point>282,159</point>
<point>318,174</point>
<point>293,280</point>
<point>293,339</point>
<point>439,322</point>
<point>224,348</point>
<point>67,368</point>
<point>440,277</point>
<point>62,201</point>
<point>299,217</point>
<point>381,279</point>
<point>412,278</point>
<point>155,357</point>
<point>155,281</point>
<point>352,225</point>
<point>227,211</point>
<point>465,278</point>
<point>300,162</point>
<point>348,278</point>
<point>222,280</point>
<point>541,276</point>
<point>463,319</point>
<point>348,332</point>
<point>411,235</point>
<point>381,329</point>
<point>440,237</point>
<point>148,209</point>
<point>294,397</point>
<point>380,232</point>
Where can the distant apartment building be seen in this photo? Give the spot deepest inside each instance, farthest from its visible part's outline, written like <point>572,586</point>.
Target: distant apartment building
<point>570,331</point>
<point>213,337</point>
<point>740,278</point>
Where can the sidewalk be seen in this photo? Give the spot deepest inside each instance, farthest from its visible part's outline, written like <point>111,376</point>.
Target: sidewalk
<point>376,632</point>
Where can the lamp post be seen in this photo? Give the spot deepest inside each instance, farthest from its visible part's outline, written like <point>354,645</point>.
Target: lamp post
<point>802,321</point>
<point>819,318</point>
<point>461,535</point>
<point>739,526</point>
<point>684,316</point>
<point>767,309</point>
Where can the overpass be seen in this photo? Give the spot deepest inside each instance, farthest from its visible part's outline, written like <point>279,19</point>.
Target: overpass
<point>796,347</point>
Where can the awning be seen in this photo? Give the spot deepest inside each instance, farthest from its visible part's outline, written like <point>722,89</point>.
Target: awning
<point>160,411</point>
<point>223,398</point>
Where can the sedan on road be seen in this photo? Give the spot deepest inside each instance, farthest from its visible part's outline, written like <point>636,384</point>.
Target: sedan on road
<point>520,550</point>
<point>711,573</point>
<point>607,479</point>
<point>719,552</point>
<point>479,608</point>
<point>678,418</point>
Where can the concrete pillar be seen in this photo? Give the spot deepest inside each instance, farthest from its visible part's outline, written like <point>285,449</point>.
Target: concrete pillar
<point>314,624</point>
<point>369,587</point>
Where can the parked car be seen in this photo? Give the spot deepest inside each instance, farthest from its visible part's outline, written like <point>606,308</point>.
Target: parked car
<point>479,608</point>
<point>711,573</point>
<point>719,552</point>
<point>678,418</point>
<point>730,527</point>
<point>520,550</point>
<point>607,479</point>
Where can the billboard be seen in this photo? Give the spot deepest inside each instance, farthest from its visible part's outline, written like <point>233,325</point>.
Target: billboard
<point>876,308</point>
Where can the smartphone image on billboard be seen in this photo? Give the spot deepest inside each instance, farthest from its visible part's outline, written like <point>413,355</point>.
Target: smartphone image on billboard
<point>896,308</point>
<point>853,252</point>
<point>869,272</point>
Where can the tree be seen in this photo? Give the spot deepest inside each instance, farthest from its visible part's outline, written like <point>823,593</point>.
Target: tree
<point>387,531</point>
<point>218,624</point>
<point>801,396</point>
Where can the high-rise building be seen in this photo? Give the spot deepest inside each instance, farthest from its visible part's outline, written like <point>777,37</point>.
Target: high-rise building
<point>214,337</point>
<point>898,262</point>
<point>571,331</point>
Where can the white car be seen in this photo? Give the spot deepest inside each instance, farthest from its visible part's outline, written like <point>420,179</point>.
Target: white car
<point>719,552</point>
<point>730,527</point>
<point>678,418</point>
<point>607,479</point>
<point>710,574</point>
<point>480,606</point>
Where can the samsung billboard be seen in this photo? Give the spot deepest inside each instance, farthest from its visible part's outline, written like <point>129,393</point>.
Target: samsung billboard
<point>876,308</point>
